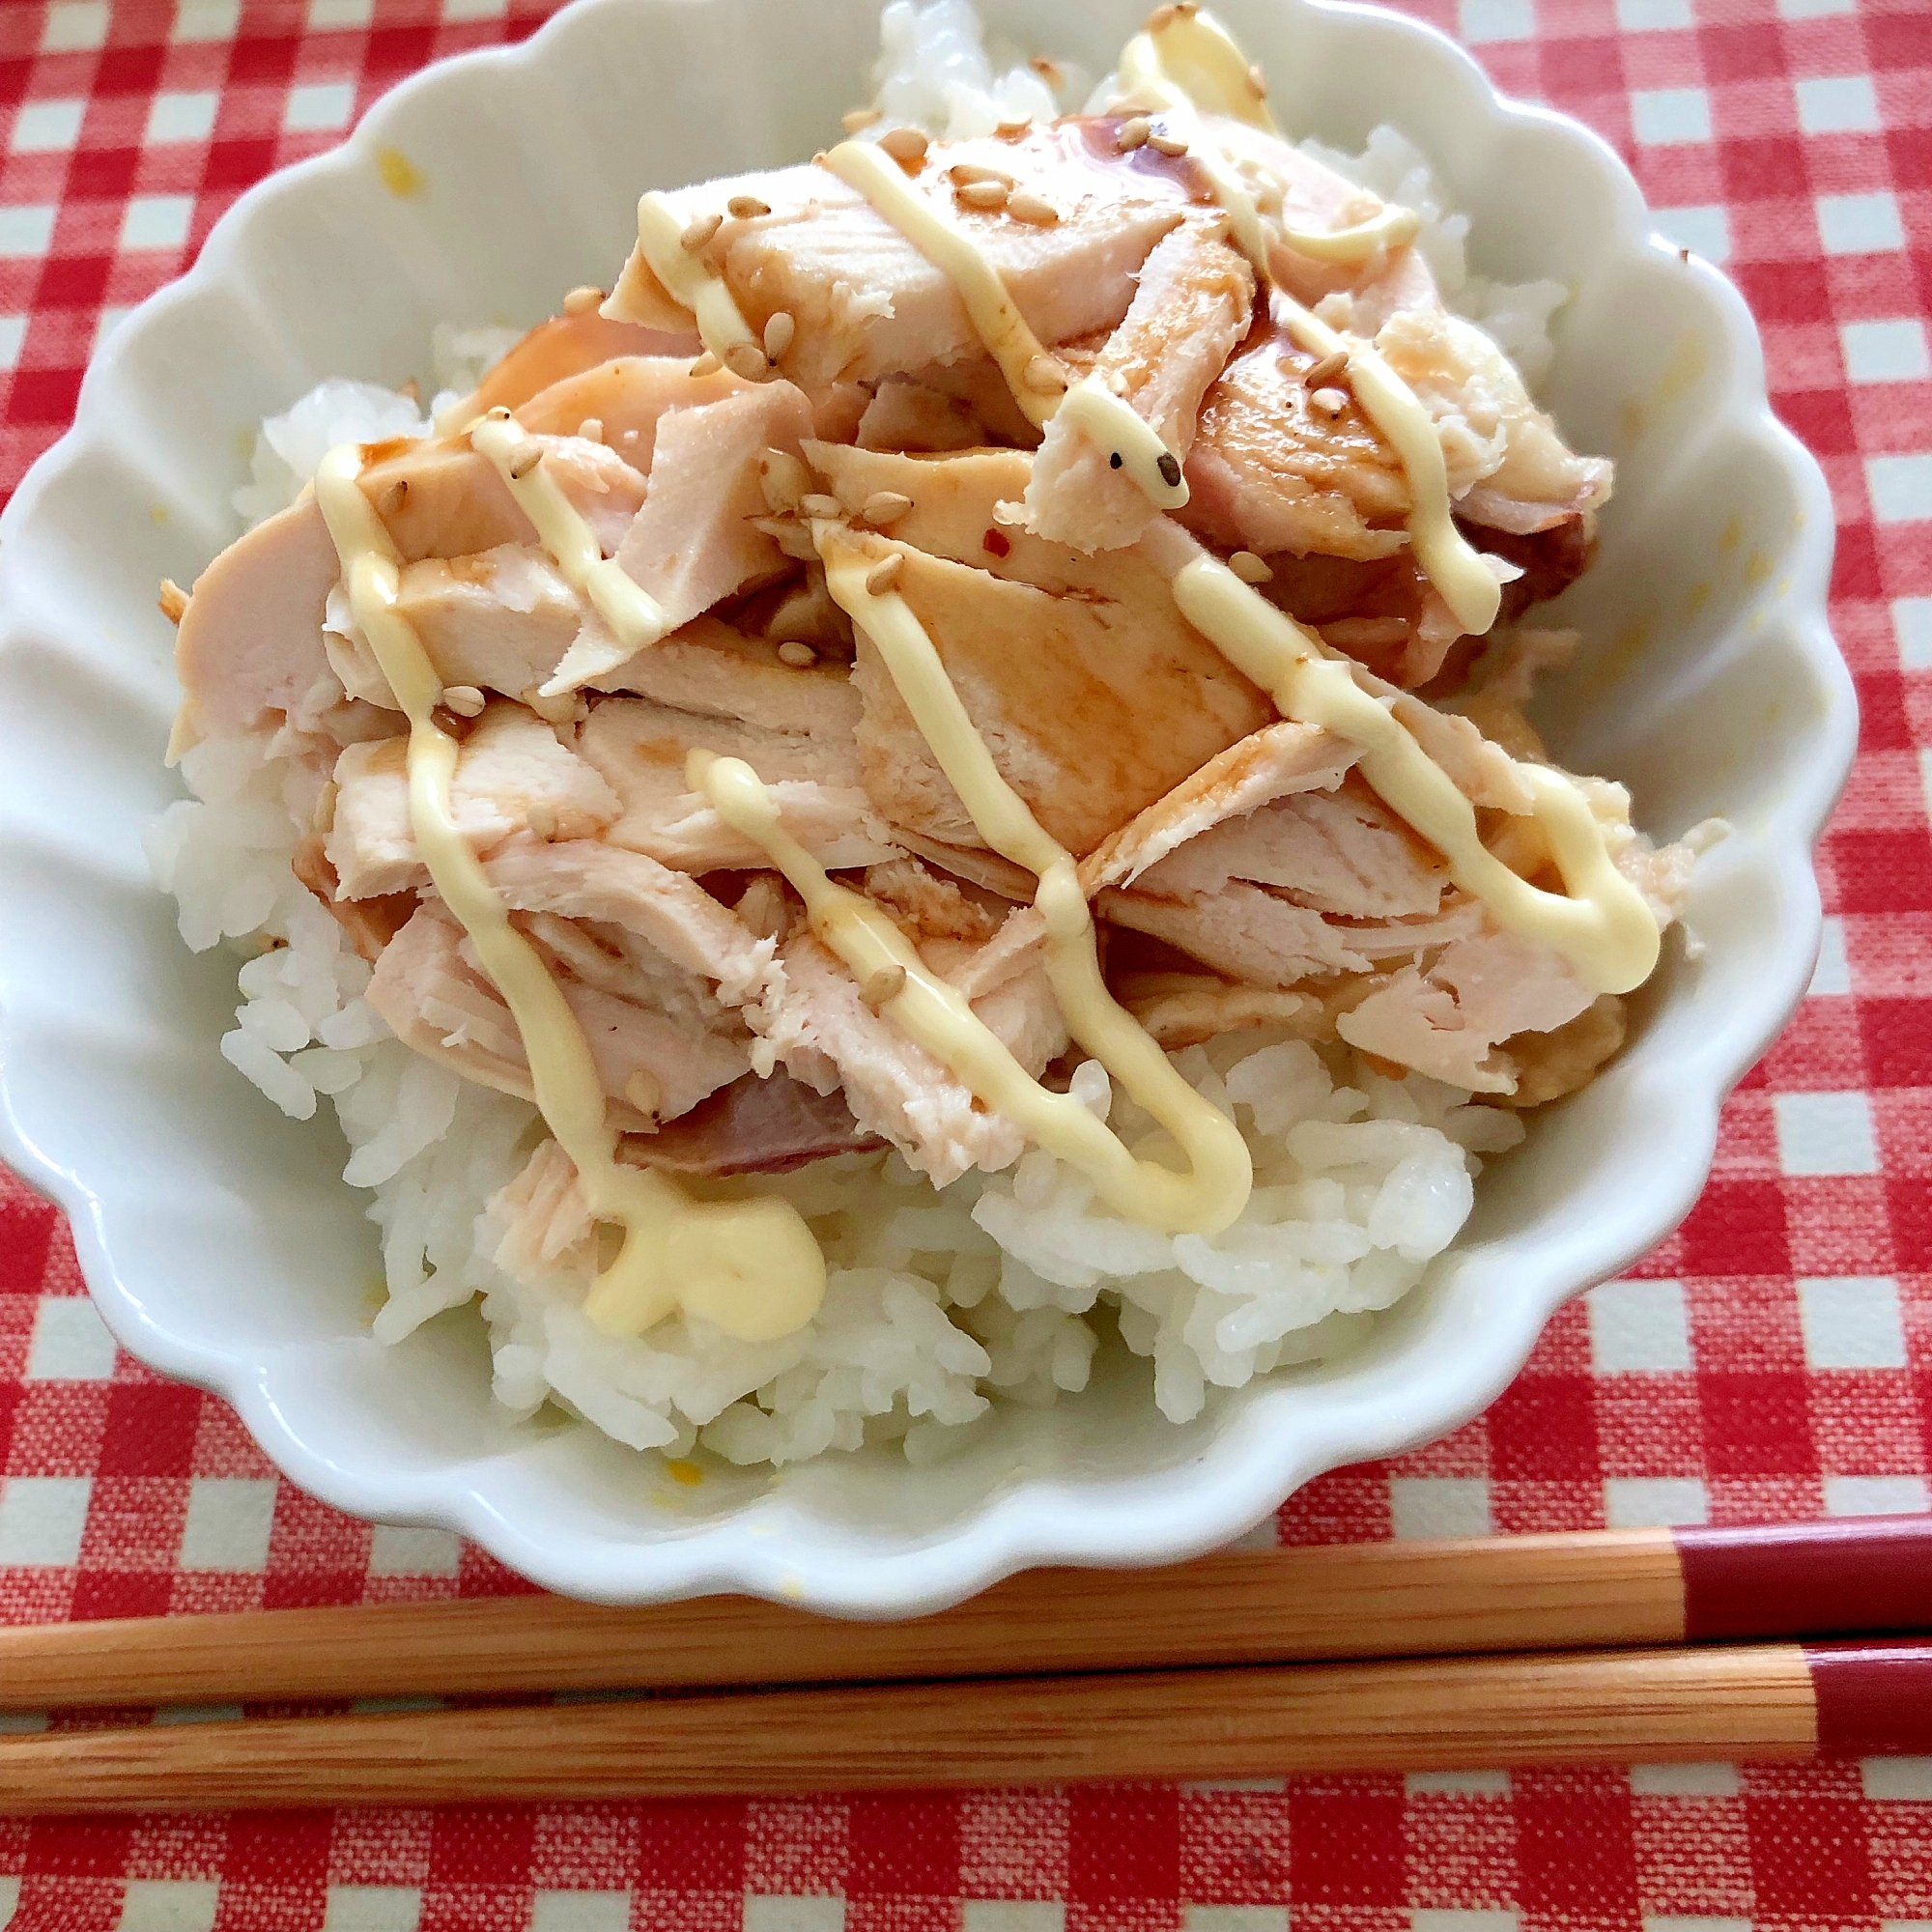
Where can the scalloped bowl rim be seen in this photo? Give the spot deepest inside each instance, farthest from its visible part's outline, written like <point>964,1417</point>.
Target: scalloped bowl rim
<point>1243,1480</point>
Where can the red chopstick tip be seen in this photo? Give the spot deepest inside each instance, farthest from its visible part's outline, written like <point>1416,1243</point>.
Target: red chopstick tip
<point>1848,1575</point>
<point>1874,1699</point>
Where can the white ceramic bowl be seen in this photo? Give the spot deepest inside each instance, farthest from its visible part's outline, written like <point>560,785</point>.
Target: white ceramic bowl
<point>215,1236</point>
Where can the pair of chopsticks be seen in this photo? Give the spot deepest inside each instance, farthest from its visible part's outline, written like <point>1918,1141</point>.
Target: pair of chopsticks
<point>1599,1647</point>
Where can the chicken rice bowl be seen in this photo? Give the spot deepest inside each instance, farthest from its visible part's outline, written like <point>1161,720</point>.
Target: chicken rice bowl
<point>937,776</point>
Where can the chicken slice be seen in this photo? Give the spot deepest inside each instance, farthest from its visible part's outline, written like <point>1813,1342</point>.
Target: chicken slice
<point>867,303</point>
<point>1341,852</point>
<point>1270,763</point>
<point>1187,1009</point>
<point>904,414</point>
<point>755,1126</point>
<point>640,748</point>
<point>1508,465</point>
<point>827,1036</point>
<point>435,995</point>
<point>1113,699</point>
<point>1196,292</point>
<point>715,671</point>
<point>627,397</point>
<point>1271,470</point>
<point>500,620</point>
<point>564,347</point>
<point>589,881</point>
<point>1447,1019</point>
<point>1262,937</point>
<point>694,541</point>
<point>251,646</point>
<point>443,498</point>
<point>248,649</point>
<point>512,774</point>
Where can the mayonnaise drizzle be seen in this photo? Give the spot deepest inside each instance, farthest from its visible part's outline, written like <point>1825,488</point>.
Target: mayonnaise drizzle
<point>1214,1189</point>
<point>1393,228</point>
<point>632,613</point>
<point>1604,928</point>
<point>690,278</point>
<point>1113,424</point>
<point>750,1267</point>
<point>1467,584</point>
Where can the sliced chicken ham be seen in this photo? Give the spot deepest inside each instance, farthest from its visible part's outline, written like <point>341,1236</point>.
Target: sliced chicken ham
<point>1114,699</point>
<point>1190,309</point>
<point>651,1062</point>
<point>758,1124</point>
<point>1243,871</point>
<point>867,305</point>
<point>250,648</point>
<point>512,774</point>
<point>641,748</point>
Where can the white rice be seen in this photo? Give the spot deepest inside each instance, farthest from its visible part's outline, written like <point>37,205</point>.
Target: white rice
<point>940,1306</point>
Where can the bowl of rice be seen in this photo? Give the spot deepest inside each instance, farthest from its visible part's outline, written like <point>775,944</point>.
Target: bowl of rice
<point>903,1350</point>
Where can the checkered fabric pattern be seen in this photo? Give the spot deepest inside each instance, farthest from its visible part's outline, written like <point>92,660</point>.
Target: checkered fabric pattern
<point>1773,1359</point>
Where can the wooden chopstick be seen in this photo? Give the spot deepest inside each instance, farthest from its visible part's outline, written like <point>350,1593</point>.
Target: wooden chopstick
<point>1723,1702</point>
<point>1558,1592</point>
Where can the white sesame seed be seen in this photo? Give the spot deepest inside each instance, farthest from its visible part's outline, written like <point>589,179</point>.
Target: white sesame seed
<point>884,573</point>
<point>783,478</point>
<point>645,1091</point>
<point>1133,133</point>
<point>700,232</point>
<point>1044,376</point>
<point>965,173</point>
<point>746,359</point>
<point>856,117</point>
<point>779,332</point>
<point>464,700</point>
<point>592,429</point>
<point>706,364</point>
<point>821,506</point>
<point>173,601</point>
<point>581,298</point>
<point>905,144</point>
<point>542,821</point>
<point>746,208</point>
<point>1325,370</point>
<point>1033,209</point>
<point>800,656</point>
<point>1331,402</point>
<point>984,196</point>
<point>524,459</point>
<point>885,506</point>
<point>884,985</point>
<point>1167,144</point>
<point>1249,568</point>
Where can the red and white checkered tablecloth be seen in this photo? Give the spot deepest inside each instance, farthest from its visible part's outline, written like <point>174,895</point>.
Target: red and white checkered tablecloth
<point>1773,1359</point>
